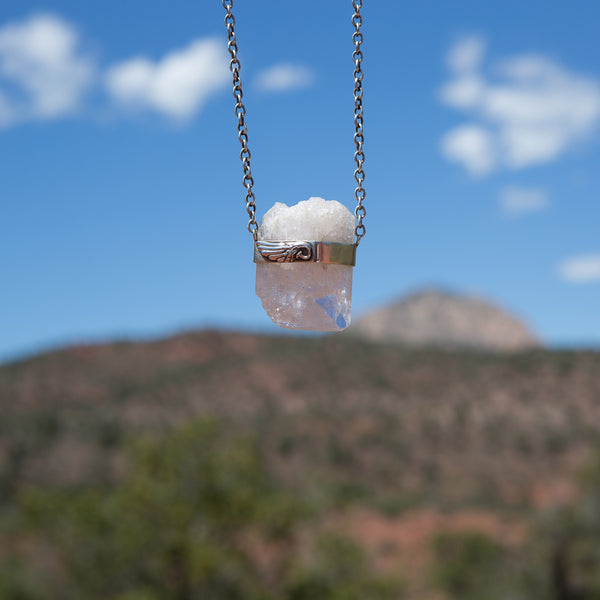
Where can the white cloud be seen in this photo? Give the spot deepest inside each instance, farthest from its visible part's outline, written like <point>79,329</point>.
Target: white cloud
<point>177,86</point>
<point>534,109</point>
<point>516,201</point>
<point>43,73</point>
<point>472,146</point>
<point>580,269</point>
<point>284,77</point>
<point>466,55</point>
<point>464,91</point>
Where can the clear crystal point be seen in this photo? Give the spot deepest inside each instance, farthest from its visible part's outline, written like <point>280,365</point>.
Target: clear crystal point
<point>310,296</point>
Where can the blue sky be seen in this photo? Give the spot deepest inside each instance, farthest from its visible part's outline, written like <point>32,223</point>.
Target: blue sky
<point>121,201</point>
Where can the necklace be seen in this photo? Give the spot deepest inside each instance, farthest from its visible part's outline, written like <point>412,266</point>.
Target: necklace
<point>304,254</point>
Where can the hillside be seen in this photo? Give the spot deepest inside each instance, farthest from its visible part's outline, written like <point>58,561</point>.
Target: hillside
<point>411,423</point>
<point>394,444</point>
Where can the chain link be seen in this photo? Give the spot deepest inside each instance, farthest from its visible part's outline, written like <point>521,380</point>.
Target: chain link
<point>240,111</point>
<point>359,156</point>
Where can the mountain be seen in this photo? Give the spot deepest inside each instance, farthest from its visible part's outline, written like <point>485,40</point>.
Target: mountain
<point>434,318</point>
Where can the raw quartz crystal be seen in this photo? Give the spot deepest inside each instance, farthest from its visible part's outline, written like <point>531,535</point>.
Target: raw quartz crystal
<point>306,295</point>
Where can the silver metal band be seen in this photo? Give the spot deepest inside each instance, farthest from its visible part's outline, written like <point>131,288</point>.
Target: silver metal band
<point>333,253</point>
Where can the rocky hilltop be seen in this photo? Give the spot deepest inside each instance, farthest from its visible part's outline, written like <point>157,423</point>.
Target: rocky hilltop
<point>435,318</point>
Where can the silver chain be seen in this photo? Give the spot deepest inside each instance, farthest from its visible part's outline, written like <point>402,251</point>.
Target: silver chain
<point>240,111</point>
<point>359,156</point>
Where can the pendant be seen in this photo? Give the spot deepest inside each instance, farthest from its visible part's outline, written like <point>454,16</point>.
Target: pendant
<point>304,257</point>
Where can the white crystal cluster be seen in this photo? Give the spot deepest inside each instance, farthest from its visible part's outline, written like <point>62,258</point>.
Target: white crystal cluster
<point>299,295</point>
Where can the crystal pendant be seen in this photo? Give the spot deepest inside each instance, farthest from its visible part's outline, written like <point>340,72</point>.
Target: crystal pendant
<point>296,292</point>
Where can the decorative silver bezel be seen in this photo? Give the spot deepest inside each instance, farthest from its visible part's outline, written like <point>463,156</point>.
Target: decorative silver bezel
<point>289,251</point>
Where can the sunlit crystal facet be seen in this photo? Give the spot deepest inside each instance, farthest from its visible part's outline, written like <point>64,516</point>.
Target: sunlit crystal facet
<point>310,296</point>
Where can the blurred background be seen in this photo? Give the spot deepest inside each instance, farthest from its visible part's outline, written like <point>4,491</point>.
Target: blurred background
<point>160,438</point>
